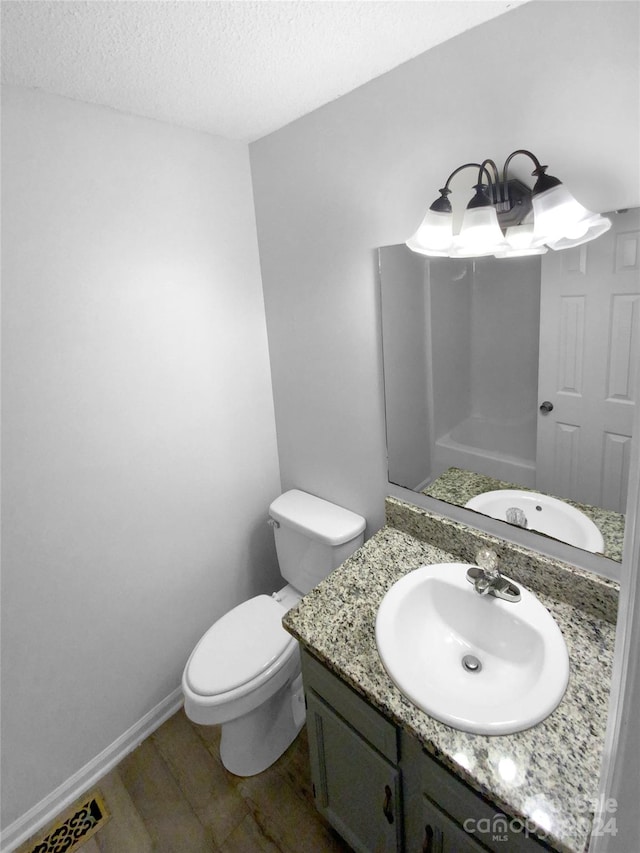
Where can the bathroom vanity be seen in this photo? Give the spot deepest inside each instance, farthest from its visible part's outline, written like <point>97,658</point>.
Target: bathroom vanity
<point>380,788</point>
<point>388,776</point>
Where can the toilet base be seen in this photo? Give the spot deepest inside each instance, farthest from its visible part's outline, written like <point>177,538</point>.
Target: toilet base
<point>253,742</point>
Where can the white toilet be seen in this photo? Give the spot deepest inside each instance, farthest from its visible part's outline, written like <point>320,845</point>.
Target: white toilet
<point>245,671</point>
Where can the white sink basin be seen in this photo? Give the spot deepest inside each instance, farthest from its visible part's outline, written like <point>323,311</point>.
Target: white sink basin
<point>544,514</point>
<point>432,618</point>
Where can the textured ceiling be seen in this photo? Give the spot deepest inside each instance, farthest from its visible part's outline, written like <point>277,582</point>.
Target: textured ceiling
<point>235,69</point>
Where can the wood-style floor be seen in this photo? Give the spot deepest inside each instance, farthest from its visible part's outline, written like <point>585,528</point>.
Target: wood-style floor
<point>172,795</point>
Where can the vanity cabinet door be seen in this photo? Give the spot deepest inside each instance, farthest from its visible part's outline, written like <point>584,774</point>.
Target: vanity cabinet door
<point>355,787</point>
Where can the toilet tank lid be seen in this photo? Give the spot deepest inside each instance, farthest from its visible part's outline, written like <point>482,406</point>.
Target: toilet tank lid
<point>316,518</point>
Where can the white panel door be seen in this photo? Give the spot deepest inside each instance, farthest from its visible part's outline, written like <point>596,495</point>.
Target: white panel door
<point>589,365</point>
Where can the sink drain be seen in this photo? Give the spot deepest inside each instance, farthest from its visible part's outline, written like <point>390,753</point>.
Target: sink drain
<point>471,663</point>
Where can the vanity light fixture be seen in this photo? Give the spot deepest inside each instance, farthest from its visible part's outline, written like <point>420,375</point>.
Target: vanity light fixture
<point>506,218</point>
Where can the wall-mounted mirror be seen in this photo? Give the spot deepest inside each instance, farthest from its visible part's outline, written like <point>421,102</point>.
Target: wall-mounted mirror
<point>517,376</point>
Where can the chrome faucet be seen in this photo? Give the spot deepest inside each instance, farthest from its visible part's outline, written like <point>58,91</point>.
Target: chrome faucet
<point>487,580</point>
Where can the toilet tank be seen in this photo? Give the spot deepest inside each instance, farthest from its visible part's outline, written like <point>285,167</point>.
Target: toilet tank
<point>313,537</point>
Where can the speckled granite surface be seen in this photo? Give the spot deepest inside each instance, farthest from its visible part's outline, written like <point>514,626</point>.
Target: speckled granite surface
<point>592,594</point>
<point>457,486</point>
<point>545,775</point>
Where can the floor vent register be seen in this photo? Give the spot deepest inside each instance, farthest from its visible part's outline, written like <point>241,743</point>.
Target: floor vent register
<point>71,829</point>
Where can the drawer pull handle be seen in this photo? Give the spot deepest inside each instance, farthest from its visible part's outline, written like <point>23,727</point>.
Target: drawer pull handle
<point>427,846</point>
<point>387,806</point>
<point>433,840</point>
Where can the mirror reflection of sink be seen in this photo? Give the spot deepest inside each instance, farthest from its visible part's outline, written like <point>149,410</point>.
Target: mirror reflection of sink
<point>543,513</point>
<point>474,662</point>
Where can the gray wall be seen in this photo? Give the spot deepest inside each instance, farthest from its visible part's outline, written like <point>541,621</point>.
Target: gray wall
<point>139,451</point>
<point>558,78</point>
<point>404,312</point>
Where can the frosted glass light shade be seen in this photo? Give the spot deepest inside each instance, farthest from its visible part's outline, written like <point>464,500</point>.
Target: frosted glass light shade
<point>557,215</point>
<point>434,234</point>
<point>479,235</point>
<point>520,243</point>
<point>597,225</point>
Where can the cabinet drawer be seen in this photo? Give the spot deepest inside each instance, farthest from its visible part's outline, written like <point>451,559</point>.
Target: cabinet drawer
<point>485,823</point>
<point>371,724</point>
<point>442,835</point>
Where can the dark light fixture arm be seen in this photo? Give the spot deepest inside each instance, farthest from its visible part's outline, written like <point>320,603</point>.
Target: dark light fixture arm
<point>539,169</point>
<point>512,197</point>
<point>480,166</point>
<point>495,186</point>
<point>442,204</point>
<point>544,182</point>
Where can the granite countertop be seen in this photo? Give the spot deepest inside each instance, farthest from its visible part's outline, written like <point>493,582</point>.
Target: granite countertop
<point>457,486</point>
<point>547,775</point>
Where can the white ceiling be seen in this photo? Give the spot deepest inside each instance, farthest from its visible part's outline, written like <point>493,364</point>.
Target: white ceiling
<point>235,69</point>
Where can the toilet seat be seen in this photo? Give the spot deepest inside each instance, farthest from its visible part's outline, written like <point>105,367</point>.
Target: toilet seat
<point>244,647</point>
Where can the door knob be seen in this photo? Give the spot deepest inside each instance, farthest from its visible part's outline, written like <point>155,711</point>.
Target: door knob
<point>546,407</point>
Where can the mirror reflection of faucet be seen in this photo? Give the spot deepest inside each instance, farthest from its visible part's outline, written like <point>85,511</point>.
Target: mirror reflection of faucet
<point>515,515</point>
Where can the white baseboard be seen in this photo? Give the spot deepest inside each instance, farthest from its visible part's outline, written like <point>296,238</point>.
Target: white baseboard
<point>44,811</point>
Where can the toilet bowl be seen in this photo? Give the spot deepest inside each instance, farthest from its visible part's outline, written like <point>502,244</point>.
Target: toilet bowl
<point>245,671</point>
